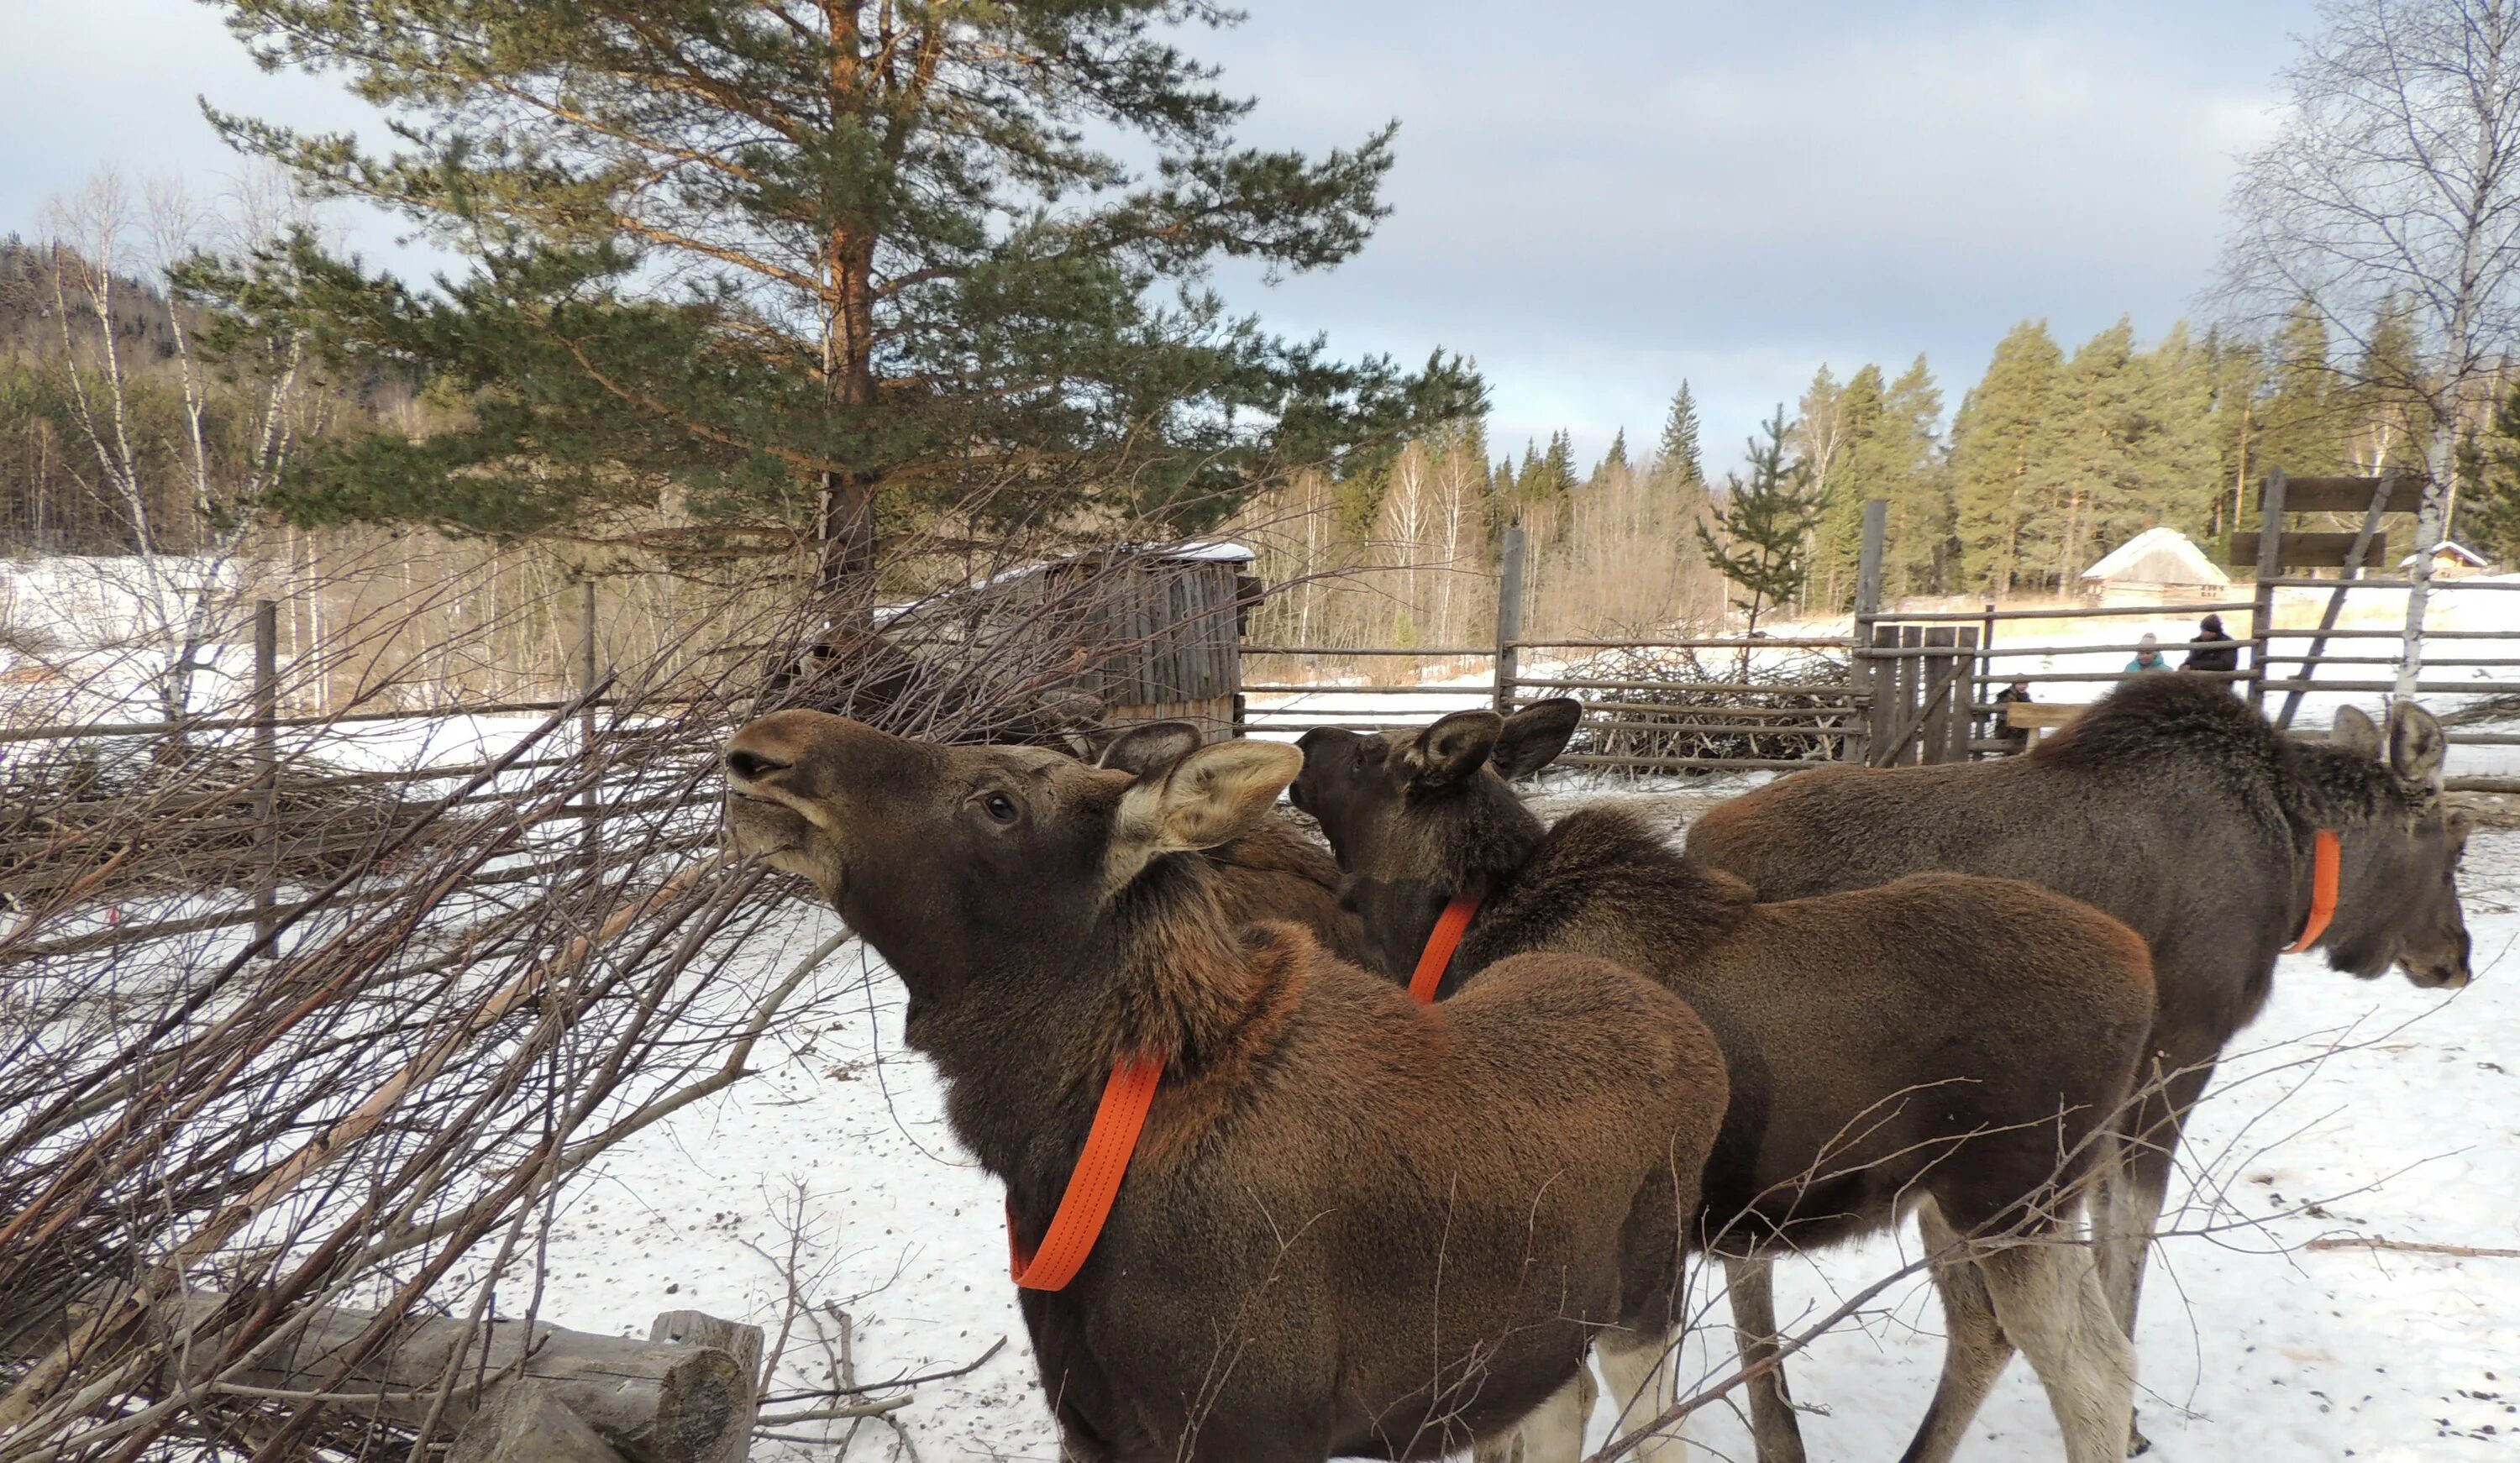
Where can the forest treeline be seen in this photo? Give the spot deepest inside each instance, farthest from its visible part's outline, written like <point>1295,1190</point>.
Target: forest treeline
<point>2052,458</point>
<point>2049,459</point>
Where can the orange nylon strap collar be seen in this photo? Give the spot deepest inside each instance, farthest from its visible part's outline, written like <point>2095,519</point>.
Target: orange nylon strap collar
<point>1094,1182</point>
<point>1432,961</point>
<point>2326,863</point>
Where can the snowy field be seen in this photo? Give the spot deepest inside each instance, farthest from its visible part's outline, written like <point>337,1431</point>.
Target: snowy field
<point>2354,1109</point>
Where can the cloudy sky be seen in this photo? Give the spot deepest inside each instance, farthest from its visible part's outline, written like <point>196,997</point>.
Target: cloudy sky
<point>1597,204</point>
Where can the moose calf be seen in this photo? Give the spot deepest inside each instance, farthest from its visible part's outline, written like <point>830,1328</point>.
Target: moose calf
<point>1352,1224</point>
<point>1958,1044</point>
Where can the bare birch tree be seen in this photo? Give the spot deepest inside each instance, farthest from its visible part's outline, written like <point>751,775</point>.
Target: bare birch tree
<point>186,576</point>
<point>2396,173</point>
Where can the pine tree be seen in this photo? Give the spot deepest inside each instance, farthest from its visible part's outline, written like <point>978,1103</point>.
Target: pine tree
<point>2388,391</point>
<point>1900,462</point>
<point>2080,477</point>
<point>1766,525</point>
<point>1678,462</point>
<point>1996,440</point>
<point>2240,378</point>
<point>808,262</point>
<point>1836,436</point>
<point>2177,471</point>
<point>2303,423</point>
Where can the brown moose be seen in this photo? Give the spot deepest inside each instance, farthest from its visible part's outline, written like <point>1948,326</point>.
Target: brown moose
<point>2174,807</point>
<point>1352,1225</point>
<point>1953,1043</point>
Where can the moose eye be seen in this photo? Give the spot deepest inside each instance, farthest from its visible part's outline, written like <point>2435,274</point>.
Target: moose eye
<point>998,807</point>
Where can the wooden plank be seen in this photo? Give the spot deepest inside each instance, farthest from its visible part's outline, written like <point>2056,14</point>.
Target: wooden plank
<point>2038,715</point>
<point>1939,674</point>
<point>1963,694</point>
<point>2347,495</point>
<point>1906,679</point>
<point>2306,551</point>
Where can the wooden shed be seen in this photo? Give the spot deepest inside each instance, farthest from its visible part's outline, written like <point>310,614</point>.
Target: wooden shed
<point>1152,631</point>
<point>2157,567</point>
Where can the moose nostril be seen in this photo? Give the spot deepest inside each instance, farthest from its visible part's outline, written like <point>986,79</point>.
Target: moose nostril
<point>751,766</point>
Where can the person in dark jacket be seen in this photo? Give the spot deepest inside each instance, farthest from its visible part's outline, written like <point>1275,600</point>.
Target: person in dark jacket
<point>2004,730</point>
<point>2214,651</point>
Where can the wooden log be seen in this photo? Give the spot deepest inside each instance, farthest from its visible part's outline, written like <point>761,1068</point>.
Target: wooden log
<point>651,1401</point>
<point>699,1328</point>
<point>528,1424</point>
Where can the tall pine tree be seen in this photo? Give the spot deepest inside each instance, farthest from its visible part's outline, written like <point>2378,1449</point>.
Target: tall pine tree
<point>805,262</point>
<point>1996,437</point>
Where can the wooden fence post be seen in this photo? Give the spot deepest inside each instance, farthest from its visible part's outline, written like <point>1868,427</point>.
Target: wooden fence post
<point>266,773</point>
<point>1509,617</point>
<point>2270,511</point>
<point>1862,674</point>
<point>2353,569</point>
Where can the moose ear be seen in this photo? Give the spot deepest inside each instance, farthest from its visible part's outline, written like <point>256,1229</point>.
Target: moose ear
<point>2416,745</point>
<point>1453,748</point>
<point>1533,737</point>
<point>2355,733</point>
<point>1150,748</point>
<point>1214,796</point>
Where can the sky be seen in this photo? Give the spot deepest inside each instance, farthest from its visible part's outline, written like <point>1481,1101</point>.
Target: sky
<point>1595,201</point>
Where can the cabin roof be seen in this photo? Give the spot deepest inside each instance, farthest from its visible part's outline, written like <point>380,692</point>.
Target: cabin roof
<point>2160,555</point>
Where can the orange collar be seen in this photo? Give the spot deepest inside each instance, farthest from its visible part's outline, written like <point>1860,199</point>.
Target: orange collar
<point>1093,1184</point>
<point>1450,926</point>
<point>2326,862</point>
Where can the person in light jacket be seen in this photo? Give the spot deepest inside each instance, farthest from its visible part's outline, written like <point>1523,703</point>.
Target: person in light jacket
<point>2148,655</point>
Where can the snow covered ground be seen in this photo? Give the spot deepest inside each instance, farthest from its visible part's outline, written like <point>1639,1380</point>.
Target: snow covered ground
<point>2396,1112</point>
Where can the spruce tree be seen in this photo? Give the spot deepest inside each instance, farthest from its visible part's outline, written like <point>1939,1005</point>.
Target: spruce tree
<point>810,263</point>
<point>1996,437</point>
<point>1617,456</point>
<point>1766,524</point>
<point>1678,462</point>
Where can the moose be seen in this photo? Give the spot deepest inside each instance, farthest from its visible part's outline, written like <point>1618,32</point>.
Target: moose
<point>1947,1043</point>
<point>2175,808</point>
<point>1272,873</point>
<point>1351,1224</point>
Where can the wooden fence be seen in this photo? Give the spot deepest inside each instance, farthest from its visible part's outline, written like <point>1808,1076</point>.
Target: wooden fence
<point>1901,688</point>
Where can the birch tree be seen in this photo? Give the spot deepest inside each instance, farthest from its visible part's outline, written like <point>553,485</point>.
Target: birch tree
<point>238,380</point>
<point>2395,174</point>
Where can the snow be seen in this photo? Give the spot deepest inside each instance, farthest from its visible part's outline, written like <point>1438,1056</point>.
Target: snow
<point>2395,1110</point>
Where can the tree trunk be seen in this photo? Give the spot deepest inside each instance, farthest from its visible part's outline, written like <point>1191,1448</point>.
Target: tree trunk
<point>844,573</point>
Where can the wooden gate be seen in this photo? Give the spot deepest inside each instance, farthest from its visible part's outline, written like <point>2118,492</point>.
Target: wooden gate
<point>1923,683</point>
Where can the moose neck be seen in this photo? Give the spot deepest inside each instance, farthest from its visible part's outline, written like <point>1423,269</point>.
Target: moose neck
<point>1026,1035</point>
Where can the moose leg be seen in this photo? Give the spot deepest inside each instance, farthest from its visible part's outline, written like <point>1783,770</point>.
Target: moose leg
<point>1640,1368</point>
<point>2046,1295</point>
<point>1976,1349</point>
<point>2126,1208</point>
<point>1551,1432</point>
<point>1751,1282</point>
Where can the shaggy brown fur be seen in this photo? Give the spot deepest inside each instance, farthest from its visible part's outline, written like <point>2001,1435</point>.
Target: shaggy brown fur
<point>1953,1040</point>
<point>1355,1226</point>
<point>1272,873</point>
<point>2175,808</point>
